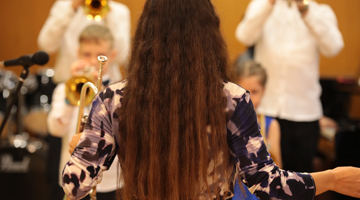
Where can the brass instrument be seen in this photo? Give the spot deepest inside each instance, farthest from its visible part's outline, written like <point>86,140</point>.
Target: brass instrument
<point>83,96</point>
<point>298,2</point>
<point>74,85</point>
<point>96,9</point>
<point>89,85</point>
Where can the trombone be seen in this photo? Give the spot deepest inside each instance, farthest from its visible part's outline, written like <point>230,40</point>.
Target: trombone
<point>81,117</point>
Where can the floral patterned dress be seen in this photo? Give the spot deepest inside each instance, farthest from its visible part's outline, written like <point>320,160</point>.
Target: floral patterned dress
<point>97,149</point>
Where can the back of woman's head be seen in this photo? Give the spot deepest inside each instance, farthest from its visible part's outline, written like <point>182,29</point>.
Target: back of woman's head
<point>173,96</point>
<point>179,31</point>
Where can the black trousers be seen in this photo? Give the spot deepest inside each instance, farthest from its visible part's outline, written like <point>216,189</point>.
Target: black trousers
<point>299,141</point>
<point>53,160</point>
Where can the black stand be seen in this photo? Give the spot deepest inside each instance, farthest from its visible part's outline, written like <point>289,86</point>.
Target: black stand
<point>24,74</point>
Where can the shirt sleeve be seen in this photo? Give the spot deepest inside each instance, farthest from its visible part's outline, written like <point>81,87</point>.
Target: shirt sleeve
<point>253,161</point>
<point>322,22</point>
<point>250,28</point>
<point>119,21</point>
<point>51,34</point>
<point>61,114</point>
<point>94,153</point>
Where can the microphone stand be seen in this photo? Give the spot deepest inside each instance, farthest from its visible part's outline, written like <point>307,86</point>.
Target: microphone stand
<point>24,74</point>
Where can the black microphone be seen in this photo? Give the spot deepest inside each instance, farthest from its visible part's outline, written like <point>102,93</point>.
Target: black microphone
<point>38,58</point>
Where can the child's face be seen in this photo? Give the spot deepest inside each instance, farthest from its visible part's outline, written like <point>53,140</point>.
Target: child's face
<point>89,51</point>
<point>253,85</point>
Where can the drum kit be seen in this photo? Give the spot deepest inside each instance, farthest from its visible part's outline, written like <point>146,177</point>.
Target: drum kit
<point>30,112</point>
<point>23,146</point>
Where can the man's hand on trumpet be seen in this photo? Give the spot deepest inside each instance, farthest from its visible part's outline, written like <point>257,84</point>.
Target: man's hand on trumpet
<point>76,3</point>
<point>303,5</point>
<point>84,68</point>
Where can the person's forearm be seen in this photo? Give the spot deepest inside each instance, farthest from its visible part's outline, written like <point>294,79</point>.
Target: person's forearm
<point>322,22</point>
<point>324,181</point>
<point>60,114</point>
<point>51,34</point>
<point>120,22</point>
<point>250,28</point>
<point>343,180</point>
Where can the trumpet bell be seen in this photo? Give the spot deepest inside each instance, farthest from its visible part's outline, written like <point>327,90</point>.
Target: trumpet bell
<point>73,90</point>
<point>96,9</point>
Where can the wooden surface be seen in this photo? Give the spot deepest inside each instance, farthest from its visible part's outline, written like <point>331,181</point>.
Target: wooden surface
<point>21,21</point>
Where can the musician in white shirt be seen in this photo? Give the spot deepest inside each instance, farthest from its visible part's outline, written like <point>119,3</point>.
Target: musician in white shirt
<point>289,36</point>
<point>62,28</point>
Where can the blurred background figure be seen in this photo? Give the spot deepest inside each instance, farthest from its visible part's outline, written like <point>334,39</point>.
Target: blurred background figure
<point>252,77</point>
<point>289,36</point>
<point>95,40</point>
<point>67,19</point>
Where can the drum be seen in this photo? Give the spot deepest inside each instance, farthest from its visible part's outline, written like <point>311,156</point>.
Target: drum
<point>23,168</point>
<point>38,99</point>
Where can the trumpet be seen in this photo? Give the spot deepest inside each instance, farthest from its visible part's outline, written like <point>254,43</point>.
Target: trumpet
<point>83,95</point>
<point>298,2</point>
<point>96,9</point>
<point>74,85</point>
<point>89,85</point>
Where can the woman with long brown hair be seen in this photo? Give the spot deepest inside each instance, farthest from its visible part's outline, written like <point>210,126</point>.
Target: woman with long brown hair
<point>180,129</point>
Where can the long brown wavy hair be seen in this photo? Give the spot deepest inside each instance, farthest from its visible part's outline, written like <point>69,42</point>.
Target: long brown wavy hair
<point>172,99</point>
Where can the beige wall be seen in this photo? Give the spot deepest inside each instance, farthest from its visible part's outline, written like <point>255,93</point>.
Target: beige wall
<point>21,22</point>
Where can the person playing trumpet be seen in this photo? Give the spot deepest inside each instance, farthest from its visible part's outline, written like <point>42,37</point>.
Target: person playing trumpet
<point>94,40</point>
<point>67,19</point>
<point>289,36</point>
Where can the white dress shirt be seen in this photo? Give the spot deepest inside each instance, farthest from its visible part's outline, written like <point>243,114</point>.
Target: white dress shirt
<point>62,29</point>
<point>288,47</point>
<point>61,122</point>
